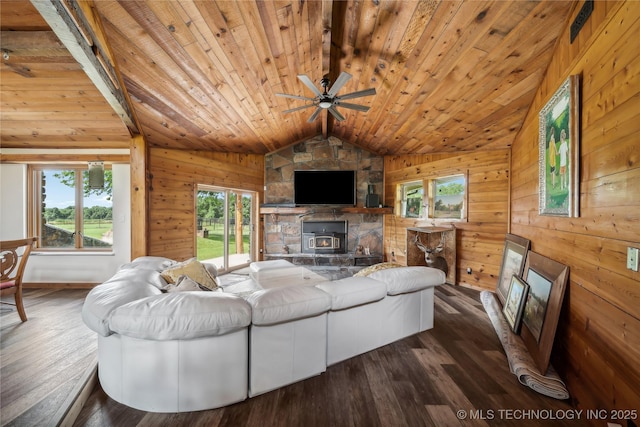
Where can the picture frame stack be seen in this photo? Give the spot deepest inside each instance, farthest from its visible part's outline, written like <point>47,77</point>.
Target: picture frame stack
<point>531,290</point>
<point>514,305</point>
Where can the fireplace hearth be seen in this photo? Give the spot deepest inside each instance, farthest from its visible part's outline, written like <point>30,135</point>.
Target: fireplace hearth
<point>324,237</point>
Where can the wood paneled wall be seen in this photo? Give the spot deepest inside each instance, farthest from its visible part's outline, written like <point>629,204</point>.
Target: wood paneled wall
<point>173,176</point>
<point>479,240</point>
<point>597,347</point>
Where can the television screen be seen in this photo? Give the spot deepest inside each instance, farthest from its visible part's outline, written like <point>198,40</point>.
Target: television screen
<point>324,187</point>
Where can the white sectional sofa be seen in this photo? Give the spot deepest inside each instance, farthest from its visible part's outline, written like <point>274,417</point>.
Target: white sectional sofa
<point>287,336</point>
<point>189,351</point>
<point>369,312</point>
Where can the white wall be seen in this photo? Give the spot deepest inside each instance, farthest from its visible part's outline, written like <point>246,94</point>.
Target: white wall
<point>90,267</point>
<point>13,201</point>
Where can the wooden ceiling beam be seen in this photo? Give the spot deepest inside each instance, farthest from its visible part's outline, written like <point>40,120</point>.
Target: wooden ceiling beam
<point>327,18</point>
<point>90,56</point>
<point>327,22</point>
<point>32,43</point>
<point>51,158</point>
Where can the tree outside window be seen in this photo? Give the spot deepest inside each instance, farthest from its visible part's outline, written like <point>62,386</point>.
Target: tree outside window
<point>448,196</point>
<point>70,214</point>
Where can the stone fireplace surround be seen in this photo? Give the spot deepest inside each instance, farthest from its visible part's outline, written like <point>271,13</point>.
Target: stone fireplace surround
<point>283,232</point>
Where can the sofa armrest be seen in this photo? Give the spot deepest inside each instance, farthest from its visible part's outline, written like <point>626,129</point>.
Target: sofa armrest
<point>353,291</point>
<point>277,305</point>
<point>402,280</point>
<point>105,298</point>
<point>181,316</point>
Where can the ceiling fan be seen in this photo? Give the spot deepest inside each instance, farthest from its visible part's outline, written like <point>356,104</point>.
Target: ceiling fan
<point>329,100</point>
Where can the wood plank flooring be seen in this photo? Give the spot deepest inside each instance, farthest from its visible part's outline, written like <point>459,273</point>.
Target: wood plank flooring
<point>43,359</point>
<point>422,380</point>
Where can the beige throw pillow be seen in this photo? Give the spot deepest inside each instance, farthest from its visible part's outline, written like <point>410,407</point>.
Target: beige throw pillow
<point>377,267</point>
<point>194,270</point>
<point>184,284</point>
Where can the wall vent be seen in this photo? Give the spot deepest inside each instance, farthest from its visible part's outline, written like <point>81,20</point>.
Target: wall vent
<point>581,19</point>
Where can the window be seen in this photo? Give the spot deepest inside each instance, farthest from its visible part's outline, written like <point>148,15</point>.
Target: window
<point>447,194</point>
<point>224,227</point>
<point>412,200</point>
<point>438,198</point>
<point>67,213</point>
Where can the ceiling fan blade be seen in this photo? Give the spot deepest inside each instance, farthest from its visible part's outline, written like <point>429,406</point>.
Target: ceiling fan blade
<point>314,115</point>
<point>341,81</point>
<point>308,83</point>
<point>352,106</point>
<point>286,95</point>
<point>336,113</point>
<point>298,108</point>
<point>358,94</point>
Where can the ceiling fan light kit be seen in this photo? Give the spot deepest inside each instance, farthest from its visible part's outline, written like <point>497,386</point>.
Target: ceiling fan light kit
<point>329,99</point>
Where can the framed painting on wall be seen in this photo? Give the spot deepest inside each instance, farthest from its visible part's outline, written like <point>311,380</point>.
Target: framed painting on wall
<point>513,258</point>
<point>559,157</point>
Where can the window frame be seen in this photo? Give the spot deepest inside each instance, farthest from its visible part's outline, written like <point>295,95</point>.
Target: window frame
<point>432,197</point>
<point>403,189</point>
<point>253,237</point>
<point>428,191</point>
<point>34,208</point>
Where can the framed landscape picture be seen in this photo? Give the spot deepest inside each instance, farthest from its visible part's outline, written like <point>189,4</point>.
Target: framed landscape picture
<point>514,305</point>
<point>513,258</point>
<point>547,280</point>
<point>559,157</point>
<point>537,301</point>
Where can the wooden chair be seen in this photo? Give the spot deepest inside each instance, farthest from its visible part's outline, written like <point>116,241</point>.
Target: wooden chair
<point>13,260</point>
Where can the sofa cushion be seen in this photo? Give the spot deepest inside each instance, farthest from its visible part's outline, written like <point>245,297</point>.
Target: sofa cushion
<point>403,280</point>
<point>277,305</point>
<point>138,277</point>
<point>181,316</point>
<point>156,263</point>
<point>269,264</point>
<point>104,299</point>
<point>212,269</point>
<point>193,269</point>
<point>243,288</point>
<point>353,291</point>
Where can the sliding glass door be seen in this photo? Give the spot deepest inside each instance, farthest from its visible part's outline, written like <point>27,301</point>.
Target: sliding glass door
<point>225,233</point>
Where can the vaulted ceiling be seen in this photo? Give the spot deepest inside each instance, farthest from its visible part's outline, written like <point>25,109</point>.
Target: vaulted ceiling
<point>448,75</point>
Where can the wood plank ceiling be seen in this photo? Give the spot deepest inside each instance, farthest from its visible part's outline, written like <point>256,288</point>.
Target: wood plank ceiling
<point>47,100</point>
<point>449,75</point>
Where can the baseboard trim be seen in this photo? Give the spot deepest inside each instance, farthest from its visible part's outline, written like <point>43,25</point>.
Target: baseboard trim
<point>72,406</point>
<point>71,285</point>
<point>474,287</point>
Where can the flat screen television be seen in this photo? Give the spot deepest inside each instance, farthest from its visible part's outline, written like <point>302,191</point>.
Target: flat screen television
<point>324,187</point>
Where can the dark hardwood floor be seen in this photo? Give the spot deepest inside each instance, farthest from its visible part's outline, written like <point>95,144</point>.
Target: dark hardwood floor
<point>453,375</point>
<point>43,359</point>
<point>422,380</point>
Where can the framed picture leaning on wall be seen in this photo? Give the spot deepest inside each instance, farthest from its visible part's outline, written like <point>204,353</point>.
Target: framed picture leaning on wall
<point>513,258</point>
<point>559,157</point>
<point>547,280</point>
<point>514,305</point>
